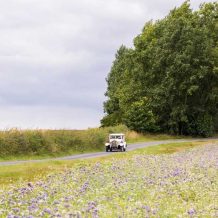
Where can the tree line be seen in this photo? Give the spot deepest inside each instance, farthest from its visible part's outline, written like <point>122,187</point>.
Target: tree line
<point>168,81</point>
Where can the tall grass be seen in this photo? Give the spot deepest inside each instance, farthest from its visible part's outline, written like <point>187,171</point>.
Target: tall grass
<point>19,144</point>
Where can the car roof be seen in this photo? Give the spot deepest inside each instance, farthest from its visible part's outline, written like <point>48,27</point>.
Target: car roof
<point>117,134</point>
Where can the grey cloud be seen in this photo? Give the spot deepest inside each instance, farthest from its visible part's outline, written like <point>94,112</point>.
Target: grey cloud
<point>48,117</point>
<point>55,55</point>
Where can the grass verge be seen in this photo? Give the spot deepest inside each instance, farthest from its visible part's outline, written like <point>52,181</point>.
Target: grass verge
<point>35,171</point>
<point>42,144</point>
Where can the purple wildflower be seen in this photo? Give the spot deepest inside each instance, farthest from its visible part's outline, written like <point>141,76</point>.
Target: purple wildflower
<point>191,211</point>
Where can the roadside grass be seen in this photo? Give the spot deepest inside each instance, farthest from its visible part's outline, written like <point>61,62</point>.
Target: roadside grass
<point>33,144</point>
<point>134,137</point>
<point>31,171</point>
<point>43,144</point>
<point>9,175</point>
<point>45,156</point>
<point>168,148</point>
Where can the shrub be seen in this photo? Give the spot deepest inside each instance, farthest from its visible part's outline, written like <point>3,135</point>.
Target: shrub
<point>16,142</point>
<point>202,125</point>
<point>140,117</point>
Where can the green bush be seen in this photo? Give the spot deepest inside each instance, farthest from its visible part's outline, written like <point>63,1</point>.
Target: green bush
<point>140,117</point>
<point>203,125</point>
<point>16,142</point>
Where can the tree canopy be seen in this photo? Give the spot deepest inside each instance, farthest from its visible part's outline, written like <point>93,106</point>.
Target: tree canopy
<point>169,81</point>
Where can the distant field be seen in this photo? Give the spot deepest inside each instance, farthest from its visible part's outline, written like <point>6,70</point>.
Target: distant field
<point>38,144</point>
<point>161,181</point>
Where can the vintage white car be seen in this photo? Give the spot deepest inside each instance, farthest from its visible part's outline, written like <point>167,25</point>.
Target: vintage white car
<point>116,142</point>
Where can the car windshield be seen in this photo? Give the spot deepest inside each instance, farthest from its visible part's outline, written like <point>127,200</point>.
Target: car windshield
<point>115,137</point>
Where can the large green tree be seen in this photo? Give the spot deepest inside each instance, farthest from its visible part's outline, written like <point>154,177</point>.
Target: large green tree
<point>174,66</point>
<point>114,79</point>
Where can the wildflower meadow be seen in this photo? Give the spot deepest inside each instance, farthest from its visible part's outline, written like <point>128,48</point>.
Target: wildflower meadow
<point>182,184</point>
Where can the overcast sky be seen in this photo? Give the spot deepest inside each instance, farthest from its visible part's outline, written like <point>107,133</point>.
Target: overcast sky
<point>55,55</point>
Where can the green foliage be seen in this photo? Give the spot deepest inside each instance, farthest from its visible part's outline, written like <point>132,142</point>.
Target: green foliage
<point>202,126</point>
<point>115,83</point>
<point>111,119</point>
<point>37,144</point>
<point>174,65</point>
<point>140,117</point>
<point>53,142</point>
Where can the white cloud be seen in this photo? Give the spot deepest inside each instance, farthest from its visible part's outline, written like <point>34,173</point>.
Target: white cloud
<point>48,117</point>
<point>55,55</point>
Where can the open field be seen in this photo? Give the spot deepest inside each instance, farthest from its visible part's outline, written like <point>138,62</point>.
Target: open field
<point>160,181</point>
<point>29,171</point>
<point>40,144</point>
